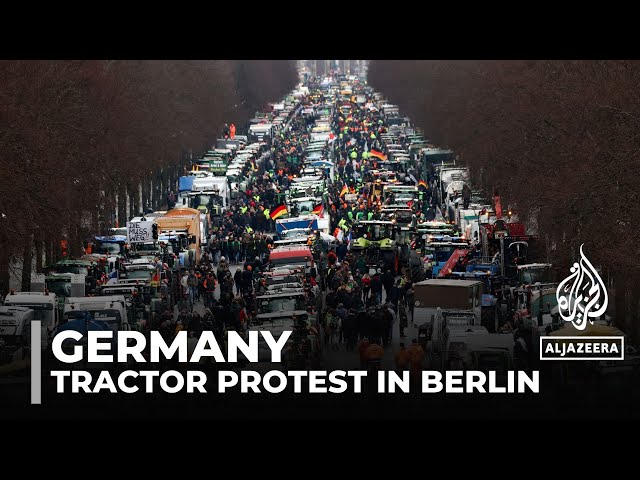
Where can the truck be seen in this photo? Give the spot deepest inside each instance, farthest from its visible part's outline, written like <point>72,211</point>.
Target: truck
<point>208,191</point>
<point>454,297</point>
<point>112,246</point>
<point>110,309</point>
<point>304,222</point>
<point>260,132</point>
<point>15,333</point>
<point>62,285</point>
<point>45,309</point>
<point>187,219</point>
<point>79,267</point>
<point>472,348</point>
<point>292,255</point>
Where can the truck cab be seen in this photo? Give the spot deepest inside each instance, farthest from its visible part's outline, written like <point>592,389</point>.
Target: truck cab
<point>44,306</point>
<point>62,285</point>
<point>15,333</point>
<point>110,309</point>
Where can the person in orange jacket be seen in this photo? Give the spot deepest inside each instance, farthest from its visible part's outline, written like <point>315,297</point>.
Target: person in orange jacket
<point>416,357</point>
<point>402,358</point>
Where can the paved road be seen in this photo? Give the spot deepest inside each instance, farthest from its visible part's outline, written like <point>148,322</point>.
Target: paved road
<point>343,359</point>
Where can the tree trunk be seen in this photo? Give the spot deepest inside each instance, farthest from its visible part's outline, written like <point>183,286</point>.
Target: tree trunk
<point>75,242</point>
<point>48,253</point>
<point>145,192</point>
<point>157,194</point>
<point>109,209</point>
<point>38,244</point>
<point>122,205</point>
<point>27,262</point>
<point>4,264</point>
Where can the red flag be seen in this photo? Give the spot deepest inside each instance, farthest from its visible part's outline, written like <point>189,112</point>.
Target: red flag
<point>318,210</point>
<point>378,154</point>
<point>278,212</point>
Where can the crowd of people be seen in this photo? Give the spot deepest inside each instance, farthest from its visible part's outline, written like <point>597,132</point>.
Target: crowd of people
<point>356,303</point>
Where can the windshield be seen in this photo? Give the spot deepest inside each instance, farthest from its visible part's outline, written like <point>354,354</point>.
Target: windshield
<point>292,260</point>
<point>147,247</point>
<point>79,269</point>
<point>282,279</point>
<point>403,216</point>
<point>139,274</point>
<point>203,200</point>
<point>305,206</point>
<point>295,232</point>
<point>109,248</point>
<point>533,275</point>
<point>39,311</point>
<point>394,167</point>
<point>282,304</point>
<point>373,232</point>
<point>404,197</point>
<point>61,288</point>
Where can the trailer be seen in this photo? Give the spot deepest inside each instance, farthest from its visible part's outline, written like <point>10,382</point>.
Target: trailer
<point>463,297</point>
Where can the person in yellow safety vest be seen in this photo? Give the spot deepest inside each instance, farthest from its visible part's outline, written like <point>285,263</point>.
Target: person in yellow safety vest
<point>256,198</point>
<point>179,327</point>
<point>267,213</point>
<point>243,209</point>
<point>343,224</point>
<point>373,135</point>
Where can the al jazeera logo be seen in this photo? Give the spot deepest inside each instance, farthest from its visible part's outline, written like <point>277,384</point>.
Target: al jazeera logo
<point>582,300</point>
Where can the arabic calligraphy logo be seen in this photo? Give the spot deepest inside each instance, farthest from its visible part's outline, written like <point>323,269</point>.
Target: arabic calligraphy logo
<point>582,295</point>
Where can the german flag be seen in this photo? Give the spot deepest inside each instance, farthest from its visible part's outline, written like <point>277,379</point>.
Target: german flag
<point>378,154</point>
<point>318,210</point>
<point>344,190</point>
<point>422,183</point>
<point>278,212</point>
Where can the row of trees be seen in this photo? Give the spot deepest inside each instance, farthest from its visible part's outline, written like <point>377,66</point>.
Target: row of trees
<point>79,137</point>
<point>558,139</point>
